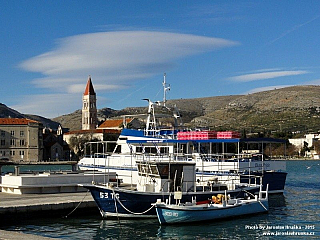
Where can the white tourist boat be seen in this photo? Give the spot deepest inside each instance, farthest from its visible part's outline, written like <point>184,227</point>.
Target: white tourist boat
<point>197,146</point>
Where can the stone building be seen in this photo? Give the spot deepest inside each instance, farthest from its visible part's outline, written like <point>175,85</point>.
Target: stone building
<point>55,149</point>
<point>21,139</point>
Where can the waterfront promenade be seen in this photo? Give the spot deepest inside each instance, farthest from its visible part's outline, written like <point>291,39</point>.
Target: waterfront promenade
<point>11,235</point>
<point>15,207</point>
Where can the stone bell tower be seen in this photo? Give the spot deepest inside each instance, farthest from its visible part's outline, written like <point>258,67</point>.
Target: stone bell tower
<point>89,108</point>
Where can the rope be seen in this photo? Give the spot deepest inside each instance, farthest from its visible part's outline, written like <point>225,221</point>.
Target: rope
<point>152,206</point>
<point>77,205</point>
<point>263,205</point>
<point>115,205</point>
<point>248,192</point>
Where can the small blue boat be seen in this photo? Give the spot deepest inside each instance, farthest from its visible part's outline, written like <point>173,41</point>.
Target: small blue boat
<point>219,207</point>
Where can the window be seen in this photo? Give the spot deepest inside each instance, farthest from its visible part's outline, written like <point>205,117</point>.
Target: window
<point>3,133</point>
<point>21,133</point>
<point>12,142</point>
<point>21,153</point>
<point>3,142</point>
<point>12,133</point>
<point>12,153</point>
<point>22,142</point>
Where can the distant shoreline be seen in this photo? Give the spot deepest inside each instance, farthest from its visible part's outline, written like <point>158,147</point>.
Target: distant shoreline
<point>300,159</point>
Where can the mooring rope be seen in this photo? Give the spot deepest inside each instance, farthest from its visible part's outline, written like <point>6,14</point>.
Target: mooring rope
<point>77,205</point>
<point>248,192</point>
<point>115,206</point>
<point>263,205</point>
<point>152,206</point>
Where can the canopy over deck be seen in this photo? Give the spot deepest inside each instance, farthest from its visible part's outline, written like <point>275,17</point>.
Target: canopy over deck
<point>232,140</point>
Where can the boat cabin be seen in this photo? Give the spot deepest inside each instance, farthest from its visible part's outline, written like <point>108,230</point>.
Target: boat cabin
<point>166,176</point>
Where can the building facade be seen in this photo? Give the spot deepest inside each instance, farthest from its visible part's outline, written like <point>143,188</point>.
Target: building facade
<point>21,139</point>
<point>89,108</point>
<point>309,139</point>
<point>55,149</point>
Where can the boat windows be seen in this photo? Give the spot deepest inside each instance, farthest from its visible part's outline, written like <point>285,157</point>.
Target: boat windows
<point>146,169</point>
<point>153,150</point>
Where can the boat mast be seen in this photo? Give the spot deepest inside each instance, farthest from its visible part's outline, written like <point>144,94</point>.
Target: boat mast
<point>165,89</point>
<point>151,126</point>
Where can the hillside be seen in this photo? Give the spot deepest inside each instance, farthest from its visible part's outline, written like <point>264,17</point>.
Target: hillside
<point>6,112</point>
<point>9,112</point>
<point>291,109</point>
<point>287,109</point>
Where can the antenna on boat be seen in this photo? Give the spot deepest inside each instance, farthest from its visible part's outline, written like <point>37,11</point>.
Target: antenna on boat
<point>165,89</point>
<point>176,113</point>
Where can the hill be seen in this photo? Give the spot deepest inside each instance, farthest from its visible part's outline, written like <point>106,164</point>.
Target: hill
<point>291,109</point>
<point>6,112</point>
<point>294,109</point>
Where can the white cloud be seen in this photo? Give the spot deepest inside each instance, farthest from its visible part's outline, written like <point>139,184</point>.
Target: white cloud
<point>313,82</point>
<point>113,59</point>
<point>116,56</point>
<point>49,105</point>
<point>265,75</point>
<point>262,89</point>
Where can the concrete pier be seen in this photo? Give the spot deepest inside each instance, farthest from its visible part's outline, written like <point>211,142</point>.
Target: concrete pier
<point>51,182</point>
<point>18,207</point>
<point>11,235</point>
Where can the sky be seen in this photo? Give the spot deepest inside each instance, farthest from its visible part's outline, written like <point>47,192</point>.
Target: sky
<point>206,48</point>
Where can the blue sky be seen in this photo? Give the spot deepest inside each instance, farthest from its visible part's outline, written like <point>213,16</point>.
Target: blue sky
<point>206,48</point>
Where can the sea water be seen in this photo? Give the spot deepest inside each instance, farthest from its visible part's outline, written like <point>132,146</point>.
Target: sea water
<point>293,215</point>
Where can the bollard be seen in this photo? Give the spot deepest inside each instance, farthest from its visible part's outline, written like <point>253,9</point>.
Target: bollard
<point>16,170</point>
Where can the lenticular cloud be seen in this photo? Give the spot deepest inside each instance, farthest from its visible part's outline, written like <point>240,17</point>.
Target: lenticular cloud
<point>118,56</point>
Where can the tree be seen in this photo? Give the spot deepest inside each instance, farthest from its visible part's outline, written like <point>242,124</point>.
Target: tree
<point>77,143</point>
<point>316,145</point>
<point>305,148</point>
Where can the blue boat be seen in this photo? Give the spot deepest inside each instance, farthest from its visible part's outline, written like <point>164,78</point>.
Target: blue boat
<point>157,180</point>
<point>227,208</point>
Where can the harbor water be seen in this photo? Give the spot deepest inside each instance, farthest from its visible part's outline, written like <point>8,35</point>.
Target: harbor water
<point>293,215</point>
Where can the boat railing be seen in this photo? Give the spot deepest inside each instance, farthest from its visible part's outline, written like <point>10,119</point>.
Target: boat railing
<point>162,157</point>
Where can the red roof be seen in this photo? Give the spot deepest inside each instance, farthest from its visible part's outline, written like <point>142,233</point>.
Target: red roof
<point>89,88</point>
<point>93,131</point>
<point>114,123</point>
<point>16,121</point>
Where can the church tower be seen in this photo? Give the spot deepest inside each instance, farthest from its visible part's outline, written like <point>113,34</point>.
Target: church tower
<point>89,109</point>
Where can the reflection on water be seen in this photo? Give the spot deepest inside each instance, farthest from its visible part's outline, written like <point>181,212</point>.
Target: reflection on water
<point>299,205</point>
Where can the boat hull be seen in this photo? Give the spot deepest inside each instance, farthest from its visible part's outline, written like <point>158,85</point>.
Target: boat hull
<point>124,203</point>
<point>174,214</point>
<point>275,180</point>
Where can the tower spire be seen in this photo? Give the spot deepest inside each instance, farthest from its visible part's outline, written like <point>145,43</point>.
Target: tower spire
<point>89,88</point>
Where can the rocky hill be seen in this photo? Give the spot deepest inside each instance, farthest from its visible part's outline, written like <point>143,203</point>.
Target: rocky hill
<point>286,109</point>
<point>291,109</point>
